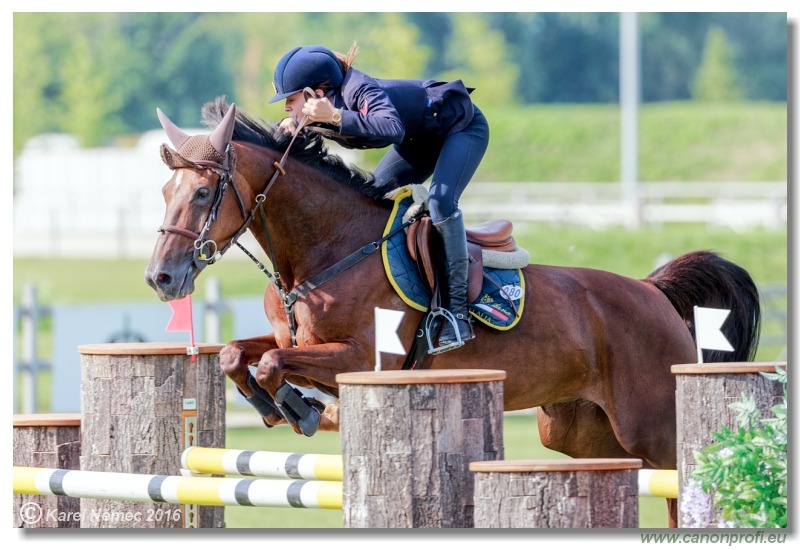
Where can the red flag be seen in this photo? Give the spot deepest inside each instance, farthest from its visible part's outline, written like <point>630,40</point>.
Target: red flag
<point>181,321</point>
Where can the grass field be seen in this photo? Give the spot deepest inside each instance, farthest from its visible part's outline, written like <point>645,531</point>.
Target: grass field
<point>680,141</point>
<point>761,252</point>
<point>520,439</point>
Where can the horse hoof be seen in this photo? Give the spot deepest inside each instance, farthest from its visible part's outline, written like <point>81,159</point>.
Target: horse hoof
<point>298,410</point>
<point>310,424</point>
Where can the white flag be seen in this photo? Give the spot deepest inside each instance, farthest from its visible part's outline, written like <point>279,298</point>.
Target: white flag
<point>386,323</point>
<point>707,324</point>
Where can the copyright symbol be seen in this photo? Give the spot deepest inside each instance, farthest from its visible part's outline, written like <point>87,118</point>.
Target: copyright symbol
<point>30,513</point>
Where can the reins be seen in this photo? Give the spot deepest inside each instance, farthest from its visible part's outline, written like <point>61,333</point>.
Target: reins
<point>207,253</point>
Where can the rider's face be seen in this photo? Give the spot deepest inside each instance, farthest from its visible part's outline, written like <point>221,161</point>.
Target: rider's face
<point>294,105</point>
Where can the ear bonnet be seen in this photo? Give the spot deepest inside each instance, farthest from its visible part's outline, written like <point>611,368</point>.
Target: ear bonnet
<point>202,151</point>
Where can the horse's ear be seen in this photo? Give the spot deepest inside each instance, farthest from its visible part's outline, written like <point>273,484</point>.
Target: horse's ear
<point>175,134</point>
<point>222,134</point>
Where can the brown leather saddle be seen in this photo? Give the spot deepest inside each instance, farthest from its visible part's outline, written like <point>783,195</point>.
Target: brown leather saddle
<point>491,235</point>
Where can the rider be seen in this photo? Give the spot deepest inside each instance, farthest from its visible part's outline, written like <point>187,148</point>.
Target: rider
<point>433,127</point>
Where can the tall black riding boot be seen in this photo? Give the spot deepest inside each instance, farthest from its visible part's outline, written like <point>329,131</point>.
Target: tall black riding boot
<point>453,239</point>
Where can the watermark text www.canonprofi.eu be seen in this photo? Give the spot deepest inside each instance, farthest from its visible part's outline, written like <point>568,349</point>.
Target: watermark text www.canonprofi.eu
<point>756,537</point>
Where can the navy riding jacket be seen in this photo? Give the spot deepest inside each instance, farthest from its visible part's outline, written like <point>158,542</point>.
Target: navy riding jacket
<point>377,113</point>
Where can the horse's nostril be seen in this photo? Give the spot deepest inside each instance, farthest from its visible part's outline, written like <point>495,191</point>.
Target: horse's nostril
<point>163,279</point>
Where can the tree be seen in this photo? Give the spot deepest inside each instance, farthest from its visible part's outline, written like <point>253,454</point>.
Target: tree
<point>564,57</point>
<point>478,56</point>
<point>715,79</point>
<point>39,41</point>
<point>90,100</point>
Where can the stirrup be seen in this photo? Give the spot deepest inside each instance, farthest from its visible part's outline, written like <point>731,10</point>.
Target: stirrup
<point>429,326</point>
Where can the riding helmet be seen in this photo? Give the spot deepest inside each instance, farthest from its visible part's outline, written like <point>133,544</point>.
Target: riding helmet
<point>304,67</point>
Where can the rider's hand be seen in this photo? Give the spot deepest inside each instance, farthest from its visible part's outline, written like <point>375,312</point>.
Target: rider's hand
<point>288,125</point>
<point>319,110</point>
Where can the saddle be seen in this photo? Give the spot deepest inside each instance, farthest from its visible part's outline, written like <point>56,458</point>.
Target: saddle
<point>493,235</point>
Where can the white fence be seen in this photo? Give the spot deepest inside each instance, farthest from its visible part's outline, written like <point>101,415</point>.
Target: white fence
<point>739,205</point>
<point>70,201</point>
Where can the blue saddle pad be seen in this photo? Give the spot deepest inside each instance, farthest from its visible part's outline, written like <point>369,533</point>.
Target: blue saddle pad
<point>501,287</point>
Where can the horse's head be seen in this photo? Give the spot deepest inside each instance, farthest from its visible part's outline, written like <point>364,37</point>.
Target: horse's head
<point>195,220</point>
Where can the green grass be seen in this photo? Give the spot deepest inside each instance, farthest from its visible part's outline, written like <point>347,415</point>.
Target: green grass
<point>520,439</point>
<point>761,252</point>
<point>681,141</point>
<point>632,253</point>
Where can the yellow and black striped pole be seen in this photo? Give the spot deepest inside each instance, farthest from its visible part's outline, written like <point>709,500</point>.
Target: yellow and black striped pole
<point>269,464</point>
<point>204,491</point>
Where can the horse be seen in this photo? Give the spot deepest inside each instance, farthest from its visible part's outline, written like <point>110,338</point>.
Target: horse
<point>592,351</point>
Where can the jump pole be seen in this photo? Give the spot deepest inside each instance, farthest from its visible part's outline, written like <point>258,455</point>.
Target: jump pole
<point>407,440</point>
<point>142,405</point>
<point>47,441</point>
<point>326,467</point>
<point>709,388</point>
<point>204,491</point>
<point>658,483</point>
<point>268,464</point>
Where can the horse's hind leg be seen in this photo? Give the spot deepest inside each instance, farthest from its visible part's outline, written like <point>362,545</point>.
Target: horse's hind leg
<point>580,429</point>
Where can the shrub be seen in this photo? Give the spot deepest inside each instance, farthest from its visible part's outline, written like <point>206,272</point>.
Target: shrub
<point>742,477</point>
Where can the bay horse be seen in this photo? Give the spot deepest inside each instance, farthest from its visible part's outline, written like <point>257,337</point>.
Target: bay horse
<point>593,349</point>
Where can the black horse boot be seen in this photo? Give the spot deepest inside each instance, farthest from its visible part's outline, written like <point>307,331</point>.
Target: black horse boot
<point>453,239</point>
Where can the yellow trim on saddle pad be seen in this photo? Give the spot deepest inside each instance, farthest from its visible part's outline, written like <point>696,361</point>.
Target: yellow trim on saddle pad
<point>519,311</point>
<point>399,196</point>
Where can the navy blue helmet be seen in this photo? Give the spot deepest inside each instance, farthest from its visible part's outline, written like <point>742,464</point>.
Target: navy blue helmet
<point>304,67</point>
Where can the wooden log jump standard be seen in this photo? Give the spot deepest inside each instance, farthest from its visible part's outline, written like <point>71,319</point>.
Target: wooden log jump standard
<point>47,441</point>
<point>563,493</point>
<point>142,405</point>
<point>407,440</point>
<point>703,393</point>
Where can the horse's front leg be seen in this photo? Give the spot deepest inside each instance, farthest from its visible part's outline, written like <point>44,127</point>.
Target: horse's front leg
<point>235,359</point>
<point>319,363</point>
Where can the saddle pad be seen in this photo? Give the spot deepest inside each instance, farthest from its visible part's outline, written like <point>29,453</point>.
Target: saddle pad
<point>500,288</point>
<point>400,268</point>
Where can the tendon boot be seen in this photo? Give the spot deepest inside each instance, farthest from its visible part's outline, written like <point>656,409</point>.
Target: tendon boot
<point>453,239</point>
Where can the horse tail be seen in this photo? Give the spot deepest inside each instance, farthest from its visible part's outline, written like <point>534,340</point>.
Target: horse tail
<point>706,279</point>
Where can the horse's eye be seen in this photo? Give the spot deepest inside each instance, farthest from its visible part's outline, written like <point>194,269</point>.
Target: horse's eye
<point>202,193</point>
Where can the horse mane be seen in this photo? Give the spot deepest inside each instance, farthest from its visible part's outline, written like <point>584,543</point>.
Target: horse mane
<point>309,148</point>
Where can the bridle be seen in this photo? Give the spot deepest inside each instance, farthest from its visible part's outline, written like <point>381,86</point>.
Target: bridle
<point>206,251</point>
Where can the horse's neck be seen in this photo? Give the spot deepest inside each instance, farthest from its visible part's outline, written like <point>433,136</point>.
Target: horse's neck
<point>314,221</point>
